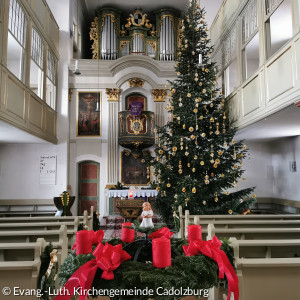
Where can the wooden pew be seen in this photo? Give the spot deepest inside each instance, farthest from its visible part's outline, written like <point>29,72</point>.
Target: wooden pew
<point>85,219</point>
<point>27,207</point>
<point>58,238</point>
<point>265,248</point>
<point>186,219</point>
<point>267,269</point>
<point>253,233</point>
<point>21,273</point>
<point>72,227</point>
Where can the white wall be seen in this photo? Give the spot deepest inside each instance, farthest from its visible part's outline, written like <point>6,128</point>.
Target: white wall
<point>258,169</point>
<point>19,171</point>
<point>286,184</point>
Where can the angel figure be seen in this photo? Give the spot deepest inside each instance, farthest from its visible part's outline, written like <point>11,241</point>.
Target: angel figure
<point>147,215</point>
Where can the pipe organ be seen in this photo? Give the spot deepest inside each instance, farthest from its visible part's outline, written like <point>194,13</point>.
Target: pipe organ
<point>166,41</point>
<point>115,38</point>
<point>108,38</point>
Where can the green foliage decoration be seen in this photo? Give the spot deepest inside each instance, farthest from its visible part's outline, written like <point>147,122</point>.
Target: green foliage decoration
<point>46,284</point>
<point>196,272</point>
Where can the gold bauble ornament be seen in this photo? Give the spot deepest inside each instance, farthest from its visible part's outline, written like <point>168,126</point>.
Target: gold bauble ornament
<point>189,95</point>
<point>194,170</point>
<point>204,202</point>
<point>194,190</point>
<point>191,129</point>
<point>183,126</point>
<point>230,211</point>
<point>174,148</point>
<point>183,190</point>
<point>202,163</point>
<point>168,184</point>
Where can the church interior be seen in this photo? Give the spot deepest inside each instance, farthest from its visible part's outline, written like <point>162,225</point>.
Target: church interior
<point>93,92</point>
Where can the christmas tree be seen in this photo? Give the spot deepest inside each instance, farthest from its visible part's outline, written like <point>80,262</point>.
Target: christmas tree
<point>198,163</point>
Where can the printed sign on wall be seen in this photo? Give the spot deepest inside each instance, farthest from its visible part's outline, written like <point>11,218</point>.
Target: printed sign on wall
<point>48,169</point>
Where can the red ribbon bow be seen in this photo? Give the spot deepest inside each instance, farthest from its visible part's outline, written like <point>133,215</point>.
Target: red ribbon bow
<point>162,232</point>
<point>96,237</point>
<point>108,258</point>
<point>212,249</point>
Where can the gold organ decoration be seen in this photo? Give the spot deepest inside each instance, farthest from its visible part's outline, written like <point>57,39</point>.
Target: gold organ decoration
<point>159,95</point>
<point>123,44</point>
<point>152,44</point>
<point>112,94</point>
<point>136,82</point>
<point>179,33</point>
<point>113,19</point>
<point>138,19</point>
<point>94,38</point>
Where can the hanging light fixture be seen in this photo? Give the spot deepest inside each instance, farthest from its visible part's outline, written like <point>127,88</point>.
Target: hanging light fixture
<point>98,93</point>
<point>77,71</point>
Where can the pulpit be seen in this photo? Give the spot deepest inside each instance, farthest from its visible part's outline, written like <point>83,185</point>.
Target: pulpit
<point>130,208</point>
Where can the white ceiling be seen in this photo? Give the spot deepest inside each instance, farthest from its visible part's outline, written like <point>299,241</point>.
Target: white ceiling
<point>281,124</point>
<point>11,134</point>
<point>211,6</point>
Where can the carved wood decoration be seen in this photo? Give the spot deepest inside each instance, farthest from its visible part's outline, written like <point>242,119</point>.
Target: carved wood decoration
<point>113,94</point>
<point>136,82</point>
<point>94,38</point>
<point>159,95</point>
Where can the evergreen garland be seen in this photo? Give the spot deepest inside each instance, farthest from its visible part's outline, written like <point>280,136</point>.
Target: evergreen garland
<point>195,272</point>
<point>46,284</point>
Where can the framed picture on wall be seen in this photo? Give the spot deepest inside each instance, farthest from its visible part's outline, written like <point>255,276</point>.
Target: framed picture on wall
<point>89,113</point>
<point>133,170</point>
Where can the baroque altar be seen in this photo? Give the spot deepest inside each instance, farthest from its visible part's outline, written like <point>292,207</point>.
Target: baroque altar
<point>130,208</point>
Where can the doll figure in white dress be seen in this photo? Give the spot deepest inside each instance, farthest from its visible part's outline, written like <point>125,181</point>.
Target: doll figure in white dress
<point>147,215</point>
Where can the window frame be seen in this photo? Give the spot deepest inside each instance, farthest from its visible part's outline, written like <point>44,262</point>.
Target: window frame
<point>267,26</point>
<point>41,65</point>
<point>247,40</point>
<point>24,46</point>
<point>52,80</point>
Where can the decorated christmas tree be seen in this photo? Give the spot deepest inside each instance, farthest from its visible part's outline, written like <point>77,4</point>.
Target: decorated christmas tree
<point>198,163</point>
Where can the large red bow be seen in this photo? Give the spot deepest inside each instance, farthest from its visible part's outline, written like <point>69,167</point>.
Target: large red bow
<point>212,249</point>
<point>162,232</point>
<point>108,258</point>
<point>96,237</point>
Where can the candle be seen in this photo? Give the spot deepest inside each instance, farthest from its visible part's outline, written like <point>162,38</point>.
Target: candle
<point>194,233</point>
<point>161,252</point>
<point>127,233</point>
<point>200,59</point>
<point>83,242</point>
